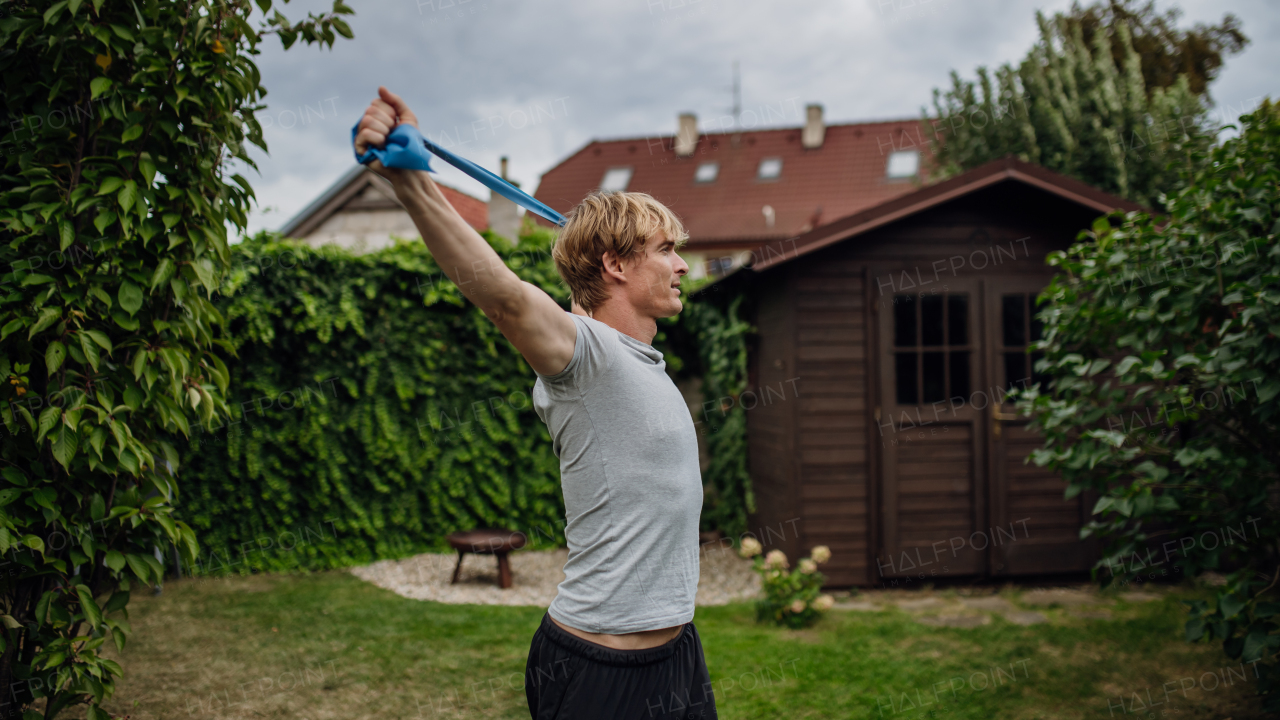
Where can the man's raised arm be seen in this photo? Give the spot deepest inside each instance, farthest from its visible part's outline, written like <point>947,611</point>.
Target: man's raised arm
<point>528,317</point>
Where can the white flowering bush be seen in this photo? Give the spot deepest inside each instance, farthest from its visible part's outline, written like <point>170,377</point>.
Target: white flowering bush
<point>792,598</point>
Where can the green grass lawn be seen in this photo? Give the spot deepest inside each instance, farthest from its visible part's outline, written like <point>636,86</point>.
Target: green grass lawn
<point>326,645</point>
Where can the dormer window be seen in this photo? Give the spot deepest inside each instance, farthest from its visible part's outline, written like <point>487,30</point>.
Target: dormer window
<point>770,169</point>
<point>903,164</point>
<point>707,172</point>
<point>616,179</point>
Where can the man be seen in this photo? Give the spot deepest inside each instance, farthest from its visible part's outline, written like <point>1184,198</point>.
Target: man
<point>617,641</point>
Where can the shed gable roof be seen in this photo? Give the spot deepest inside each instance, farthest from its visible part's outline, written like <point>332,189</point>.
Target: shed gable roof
<point>997,171</point>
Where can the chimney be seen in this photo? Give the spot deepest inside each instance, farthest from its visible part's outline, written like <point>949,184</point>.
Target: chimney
<point>687,134</point>
<point>504,215</point>
<point>814,130</point>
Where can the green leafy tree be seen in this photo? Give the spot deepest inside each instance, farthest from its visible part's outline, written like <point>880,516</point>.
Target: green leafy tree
<point>1162,349</point>
<point>1165,50</point>
<point>114,199</point>
<point>1073,107</point>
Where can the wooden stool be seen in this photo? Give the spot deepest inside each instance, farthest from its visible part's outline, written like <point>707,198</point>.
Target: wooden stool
<point>488,541</point>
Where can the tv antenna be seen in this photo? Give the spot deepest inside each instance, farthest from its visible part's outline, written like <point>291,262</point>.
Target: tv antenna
<point>736,88</point>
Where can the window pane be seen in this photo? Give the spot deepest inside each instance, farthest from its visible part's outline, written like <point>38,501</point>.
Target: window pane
<point>935,387</point>
<point>1015,320</point>
<point>1037,327</point>
<point>960,385</point>
<point>616,179</point>
<point>1015,370</point>
<point>958,320</point>
<point>904,320</point>
<point>904,367</point>
<point>770,168</point>
<point>931,320</point>
<point>707,172</point>
<point>1037,376</point>
<point>903,164</point>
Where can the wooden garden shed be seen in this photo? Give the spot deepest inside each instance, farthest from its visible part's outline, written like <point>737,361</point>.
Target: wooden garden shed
<point>886,341</point>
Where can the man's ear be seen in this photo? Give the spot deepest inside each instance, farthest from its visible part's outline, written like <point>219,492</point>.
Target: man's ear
<point>612,268</point>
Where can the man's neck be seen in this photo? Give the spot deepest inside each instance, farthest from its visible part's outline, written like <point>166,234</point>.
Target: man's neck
<point>627,321</point>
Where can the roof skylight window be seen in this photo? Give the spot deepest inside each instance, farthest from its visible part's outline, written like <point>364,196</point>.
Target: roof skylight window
<point>903,164</point>
<point>616,179</point>
<point>770,169</point>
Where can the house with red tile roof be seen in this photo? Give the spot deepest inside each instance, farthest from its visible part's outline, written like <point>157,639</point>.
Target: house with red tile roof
<point>360,212</point>
<point>736,191</point>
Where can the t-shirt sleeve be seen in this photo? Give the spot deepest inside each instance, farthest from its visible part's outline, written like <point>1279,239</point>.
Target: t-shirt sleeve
<point>593,349</point>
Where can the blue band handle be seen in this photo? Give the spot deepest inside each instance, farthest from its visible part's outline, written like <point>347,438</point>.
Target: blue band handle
<point>406,149</point>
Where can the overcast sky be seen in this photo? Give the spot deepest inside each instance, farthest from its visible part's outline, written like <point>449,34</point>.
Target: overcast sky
<point>535,81</point>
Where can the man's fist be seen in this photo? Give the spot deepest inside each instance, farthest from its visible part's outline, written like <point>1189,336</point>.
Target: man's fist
<point>384,113</point>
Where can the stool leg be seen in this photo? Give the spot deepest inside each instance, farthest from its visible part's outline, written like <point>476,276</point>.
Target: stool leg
<point>504,570</point>
<point>457,569</point>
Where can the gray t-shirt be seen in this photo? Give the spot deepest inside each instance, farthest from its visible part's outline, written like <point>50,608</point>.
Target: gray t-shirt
<point>632,487</point>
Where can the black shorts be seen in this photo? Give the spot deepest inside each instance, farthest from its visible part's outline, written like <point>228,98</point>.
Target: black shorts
<point>568,678</point>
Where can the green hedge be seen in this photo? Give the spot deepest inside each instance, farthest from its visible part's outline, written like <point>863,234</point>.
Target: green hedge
<point>374,411</point>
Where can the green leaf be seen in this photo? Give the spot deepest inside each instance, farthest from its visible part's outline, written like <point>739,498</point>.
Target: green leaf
<point>104,218</point>
<point>1230,606</point>
<point>139,566</point>
<point>97,507</point>
<point>110,185</point>
<point>34,542</point>
<point>54,355</point>
<point>90,350</point>
<point>163,272</point>
<point>204,271</point>
<point>36,279</point>
<point>133,133</point>
<point>124,321</point>
<point>90,607</point>
<point>147,168</point>
<point>115,560</point>
<point>48,316</point>
<point>130,297</point>
<point>128,195</point>
<point>1254,643</point>
<point>64,445</point>
<point>48,418</point>
<point>98,85</point>
<point>10,327</point>
<point>66,234</point>
<point>53,11</point>
<point>101,338</point>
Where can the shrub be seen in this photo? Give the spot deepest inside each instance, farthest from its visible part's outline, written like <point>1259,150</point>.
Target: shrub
<point>792,598</point>
<point>113,209</point>
<point>376,411</point>
<point>1162,345</point>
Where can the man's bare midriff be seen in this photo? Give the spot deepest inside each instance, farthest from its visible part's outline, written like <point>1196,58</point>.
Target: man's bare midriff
<point>626,641</point>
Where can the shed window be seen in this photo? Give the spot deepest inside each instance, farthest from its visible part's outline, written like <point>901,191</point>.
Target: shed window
<point>770,169</point>
<point>707,172</point>
<point>1019,330</point>
<point>616,179</point>
<point>903,164</point>
<point>931,347</point>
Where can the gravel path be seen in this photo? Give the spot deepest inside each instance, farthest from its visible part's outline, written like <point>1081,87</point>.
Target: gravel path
<point>724,577</point>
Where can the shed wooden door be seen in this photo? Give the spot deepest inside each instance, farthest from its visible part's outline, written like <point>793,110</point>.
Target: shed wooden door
<point>1034,530</point>
<point>956,495</point>
<point>932,451</point>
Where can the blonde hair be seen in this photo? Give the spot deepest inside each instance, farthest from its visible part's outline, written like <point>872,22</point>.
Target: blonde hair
<point>617,222</point>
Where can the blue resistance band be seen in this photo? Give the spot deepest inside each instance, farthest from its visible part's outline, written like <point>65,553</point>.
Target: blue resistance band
<point>405,148</point>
